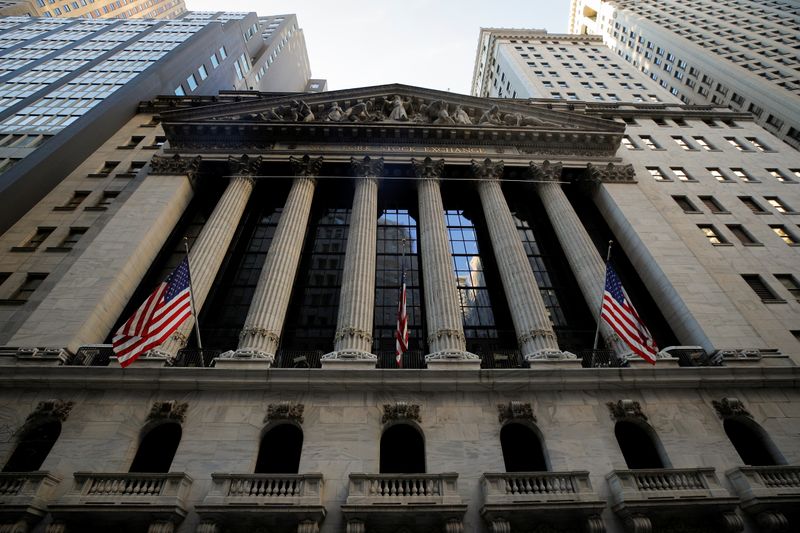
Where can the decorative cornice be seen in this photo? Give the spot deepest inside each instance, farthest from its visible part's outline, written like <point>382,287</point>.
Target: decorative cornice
<point>611,173</point>
<point>487,169</point>
<point>730,407</point>
<point>306,166</point>
<point>367,167</point>
<point>624,409</point>
<point>428,169</point>
<point>50,409</point>
<point>400,411</point>
<point>244,165</point>
<point>172,410</point>
<point>547,171</point>
<point>515,411</point>
<point>174,165</point>
<point>285,411</point>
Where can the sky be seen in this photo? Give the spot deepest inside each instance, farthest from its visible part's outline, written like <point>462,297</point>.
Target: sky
<point>428,43</point>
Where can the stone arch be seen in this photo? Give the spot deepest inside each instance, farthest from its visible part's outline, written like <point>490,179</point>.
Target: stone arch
<point>640,445</point>
<point>280,449</point>
<point>754,445</point>
<point>523,448</point>
<point>157,447</point>
<point>402,449</point>
<point>33,446</point>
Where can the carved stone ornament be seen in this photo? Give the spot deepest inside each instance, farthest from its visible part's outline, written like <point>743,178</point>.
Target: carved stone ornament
<point>244,166</point>
<point>515,411</point>
<point>58,409</point>
<point>172,410</point>
<point>535,334</point>
<point>351,332</point>
<point>730,407</point>
<point>252,331</point>
<point>611,173</point>
<point>174,165</point>
<point>285,411</point>
<point>367,167</point>
<point>449,333</point>
<point>400,411</point>
<point>547,171</point>
<point>306,166</point>
<point>487,169</point>
<point>625,409</point>
<point>428,169</point>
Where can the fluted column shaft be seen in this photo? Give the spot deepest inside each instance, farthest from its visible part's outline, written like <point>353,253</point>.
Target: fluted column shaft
<point>586,263</point>
<point>208,252</point>
<point>445,325</point>
<point>261,333</point>
<point>528,312</point>
<point>357,296</point>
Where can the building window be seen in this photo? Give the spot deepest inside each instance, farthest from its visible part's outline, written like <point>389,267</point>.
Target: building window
<point>791,284</point>
<point>280,450</point>
<point>202,71</point>
<point>72,238</point>
<point>33,447</point>
<point>132,143</point>
<point>733,141</point>
<point>681,174</point>
<point>775,122</point>
<point>712,234</point>
<point>778,175</point>
<point>758,144</point>
<point>402,450</point>
<point>628,143</point>
<point>657,174</point>
<point>75,201</point>
<point>686,204</point>
<point>223,53</point>
<point>109,166</point>
<point>779,206</point>
<point>752,443</point>
<point>718,175</point>
<point>743,175</point>
<point>157,449</point>
<point>753,205</point>
<point>31,283</point>
<point>648,141</point>
<point>36,239</point>
<point>639,445</point>
<point>713,205</point>
<point>680,141</point>
<point>158,142</point>
<point>784,234</point>
<point>761,289</point>
<point>522,449</point>
<point>238,70</point>
<point>743,235</point>
<point>179,91</point>
<point>214,60</point>
<point>701,141</point>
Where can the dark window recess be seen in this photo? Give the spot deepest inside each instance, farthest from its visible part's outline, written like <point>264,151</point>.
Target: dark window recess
<point>280,450</point>
<point>685,204</point>
<point>157,449</point>
<point>133,142</point>
<point>637,446</point>
<point>752,443</point>
<point>105,200</point>
<point>761,289</point>
<point>522,449</point>
<point>36,240</point>
<point>712,204</point>
<point>32,282</point>
<point>790,283</point>
<point>33,447</point>
<point>754,206</point>
<point>742,234</point>
<point>75,201</point>
<point>107,168</point>
<point>402,450</point>
<point>158,142</point>
<point>72,237</point>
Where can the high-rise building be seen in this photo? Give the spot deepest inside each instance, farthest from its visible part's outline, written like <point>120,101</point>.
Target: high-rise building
<point>94,9</point>
<point>67,84</point>
<point>301,212</point>
<point>741,54</point>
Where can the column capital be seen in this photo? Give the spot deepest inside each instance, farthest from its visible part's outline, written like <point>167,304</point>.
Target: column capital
<point>367,167</point>
<point>244,166</point>
<point>546,171</point>
<point>175,165</point>
<point>487,169</point>
<point>428,169</point>
<point>611,173</point>
<point>306,166</point>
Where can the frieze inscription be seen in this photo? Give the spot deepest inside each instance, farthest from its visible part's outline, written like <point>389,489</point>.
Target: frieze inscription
<point>392,149</point>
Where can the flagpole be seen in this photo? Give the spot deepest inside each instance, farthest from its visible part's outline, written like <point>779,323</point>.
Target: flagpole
<point>599,319</point>
<point>191,301</point>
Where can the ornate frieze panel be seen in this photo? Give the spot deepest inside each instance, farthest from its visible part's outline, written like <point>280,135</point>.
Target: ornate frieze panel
<point>623,409</point>
<point>400,411</point>
<point>285,411</point>
<point>174,165</point>
<point>611,173</point>
<point>172,410</point>
<point>730,407</point>
<point>515,411</point>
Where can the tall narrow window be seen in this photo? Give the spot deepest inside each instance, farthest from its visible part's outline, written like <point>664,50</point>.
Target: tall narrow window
<point>743,235</point>
<point>685,204</point>
<point>522,449</point>
<point>638,445</point>
<point>37,239</point>
<point>712,204</point>
<point>753,205</point>
<point>752,442</point>
<point>791,284</point>
<point>280,450</point>
<point>157,449</point>
<point>28,287</point>
<point>33,447</point>
<point>761,289</point>
<point>402,450</point>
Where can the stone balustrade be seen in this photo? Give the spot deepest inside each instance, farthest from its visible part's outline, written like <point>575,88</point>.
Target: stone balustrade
<point>769,493</point>
<point>129,489</point>
<point>268,489</point>
<point>536,486</point>
<point>403,489</point>
<point>25,495</point>
<point>660,483</point>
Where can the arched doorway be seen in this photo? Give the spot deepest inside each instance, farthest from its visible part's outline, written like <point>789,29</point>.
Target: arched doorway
<point>157,449</point>
<point>280,449</point>
<point>752,442</point>
<point>33,447</point>
<point>522,449</point>
<point>402,450</point>
<point>639,445</point>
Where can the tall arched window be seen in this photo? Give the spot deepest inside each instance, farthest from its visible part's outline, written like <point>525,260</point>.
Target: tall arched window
<point>33,447</point>
<point>752,442</point>
<point>639,445</point>
<point>522,449</point>
<point>280,449</point>
<point>157,449</point>
<point>402,450</point>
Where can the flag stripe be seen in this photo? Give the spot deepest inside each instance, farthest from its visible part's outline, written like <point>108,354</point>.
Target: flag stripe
<point>401,333</point>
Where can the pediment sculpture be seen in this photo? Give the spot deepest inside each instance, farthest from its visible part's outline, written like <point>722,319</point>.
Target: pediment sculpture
<point>399,109</point>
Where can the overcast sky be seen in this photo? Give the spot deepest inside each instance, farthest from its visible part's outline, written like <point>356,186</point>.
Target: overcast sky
<point>429,43</point>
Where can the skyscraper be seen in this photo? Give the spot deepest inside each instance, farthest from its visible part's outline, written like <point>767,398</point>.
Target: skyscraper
<point>94,9</point>
<point>741,54</point>
<point>69,83</point>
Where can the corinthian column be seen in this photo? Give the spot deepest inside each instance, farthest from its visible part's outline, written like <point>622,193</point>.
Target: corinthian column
<point>534,331</point>
<point>585,262</point>
<point>445,326</point>
<point>357,296</point>
<point>260,336</point>
<point>209,249</point>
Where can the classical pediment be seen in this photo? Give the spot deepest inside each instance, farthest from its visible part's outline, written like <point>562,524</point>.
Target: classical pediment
<point>385,114</point>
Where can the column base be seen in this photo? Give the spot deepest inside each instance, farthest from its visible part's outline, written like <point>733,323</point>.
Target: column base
<point>244,360</point>
<point>552,359</point>
<point>349,360</point>
<point>452,360</point>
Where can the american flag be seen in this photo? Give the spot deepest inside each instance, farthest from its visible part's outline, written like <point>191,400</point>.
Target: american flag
<point>158,317</point>
<point>620,314</point>
<point>401,335</point>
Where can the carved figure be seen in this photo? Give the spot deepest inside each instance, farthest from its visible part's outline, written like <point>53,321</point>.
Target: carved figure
<point>305,113</point>
<point>335,113</point>
<point>460,116</point>
<point>491,116</point>
<point>437,113</point>
<point>397,109</point>
<point>361,112</point>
